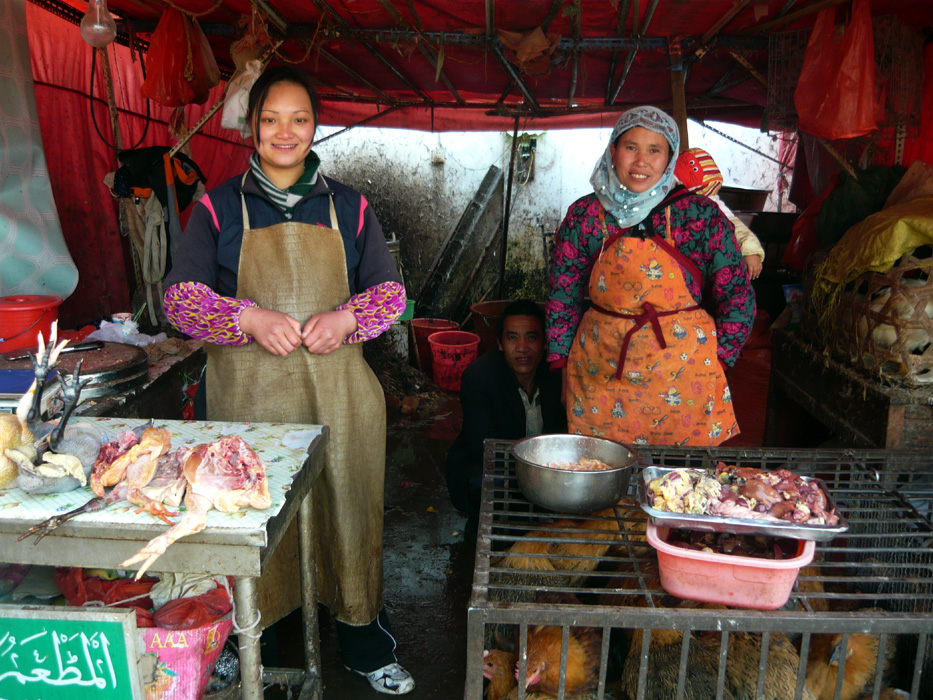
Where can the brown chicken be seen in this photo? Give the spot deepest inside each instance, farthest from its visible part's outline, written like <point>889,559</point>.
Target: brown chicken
<point>499,669</point>
<point>861,662</point>
<point>811,590</point>
<point>743,656</point>
<point>539,565</point>
<point>664,665</point>
<point>226,475</point>
<point>542,670</point>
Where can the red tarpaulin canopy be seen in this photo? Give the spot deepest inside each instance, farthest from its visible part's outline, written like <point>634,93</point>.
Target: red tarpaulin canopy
<point>422,64</point>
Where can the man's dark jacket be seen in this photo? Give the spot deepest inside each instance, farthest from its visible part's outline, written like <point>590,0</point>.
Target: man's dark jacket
<point>493,408</point>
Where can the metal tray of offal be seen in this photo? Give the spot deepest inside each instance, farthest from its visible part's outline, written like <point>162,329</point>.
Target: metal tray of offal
<point>738,526</point>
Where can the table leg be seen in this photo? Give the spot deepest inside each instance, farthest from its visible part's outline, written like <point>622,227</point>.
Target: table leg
<point>313,682</point>
<point>247,614</point>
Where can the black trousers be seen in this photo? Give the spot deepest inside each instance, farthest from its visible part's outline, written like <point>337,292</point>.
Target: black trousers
<point>368,647</point>
<point>365,648</point>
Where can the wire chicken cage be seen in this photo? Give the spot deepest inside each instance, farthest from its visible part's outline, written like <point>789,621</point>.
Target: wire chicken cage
<point>898,73</point>
<point>875,579</point>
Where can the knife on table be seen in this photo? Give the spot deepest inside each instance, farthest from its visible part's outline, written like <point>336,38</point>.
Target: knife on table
<point>77,347</point>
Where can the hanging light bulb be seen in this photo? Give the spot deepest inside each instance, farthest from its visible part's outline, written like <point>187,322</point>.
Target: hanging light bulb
<point>97,26</point>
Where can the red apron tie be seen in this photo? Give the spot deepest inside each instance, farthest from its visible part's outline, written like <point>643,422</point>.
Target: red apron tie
<point>649,315</point>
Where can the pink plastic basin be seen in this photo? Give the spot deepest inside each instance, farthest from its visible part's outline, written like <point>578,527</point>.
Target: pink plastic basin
<point>748,582</point>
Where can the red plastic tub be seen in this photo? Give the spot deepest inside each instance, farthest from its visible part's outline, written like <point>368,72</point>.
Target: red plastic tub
<point>748,582</point>
<point>423,328</point>
<point>452,351</point>
<point>22,317</point>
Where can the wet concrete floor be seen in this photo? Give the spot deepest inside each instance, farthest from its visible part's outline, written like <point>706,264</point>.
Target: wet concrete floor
<point>428,562</point>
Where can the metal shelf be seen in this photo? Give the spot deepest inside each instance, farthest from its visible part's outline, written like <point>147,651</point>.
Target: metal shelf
<point>884,560</point>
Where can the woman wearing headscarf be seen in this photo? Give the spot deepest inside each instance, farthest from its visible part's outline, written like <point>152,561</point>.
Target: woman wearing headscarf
<point>671,301</point>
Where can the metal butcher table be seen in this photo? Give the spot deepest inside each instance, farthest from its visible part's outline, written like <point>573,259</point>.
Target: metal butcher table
<point>234,544</point>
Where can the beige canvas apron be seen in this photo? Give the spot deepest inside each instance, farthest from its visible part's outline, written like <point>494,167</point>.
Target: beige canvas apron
<point>300,269</point>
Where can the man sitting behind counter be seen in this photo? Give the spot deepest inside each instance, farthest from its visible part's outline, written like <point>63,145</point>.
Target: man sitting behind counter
<point>507,393</point>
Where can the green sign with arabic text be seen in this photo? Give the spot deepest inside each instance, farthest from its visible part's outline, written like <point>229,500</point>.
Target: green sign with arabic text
<point>49,653</point>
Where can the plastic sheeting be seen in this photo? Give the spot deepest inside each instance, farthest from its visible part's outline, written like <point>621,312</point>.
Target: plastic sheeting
<point>33,256</point>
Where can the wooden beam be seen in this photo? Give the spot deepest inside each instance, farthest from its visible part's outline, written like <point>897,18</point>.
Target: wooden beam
<point>511,70</point>
<point>746,64</point>
<point>324,7</point>
<point>613,59</point>
<point>352,73</point>
<point>273,15</point>
<point>630,59</point>
<point>362,122</point>
<point>678,93</point>
<point>424,50</point>
<point>713,32</point>
<point>414,14</point>
<point>545,25</point>
<point>577,21</point>
<point>508,211</point>
<point>667,106</point>
<point>794,16</point>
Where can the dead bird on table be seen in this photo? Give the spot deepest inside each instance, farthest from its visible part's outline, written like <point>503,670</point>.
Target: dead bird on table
<point>49,457</point>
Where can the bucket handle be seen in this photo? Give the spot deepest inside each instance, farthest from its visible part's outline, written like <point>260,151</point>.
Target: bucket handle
<point>26,330</point>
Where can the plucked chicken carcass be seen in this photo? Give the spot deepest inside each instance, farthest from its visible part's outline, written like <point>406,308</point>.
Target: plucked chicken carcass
<point>47,457</point>
<point>129,464</point>
<point>225,475</point>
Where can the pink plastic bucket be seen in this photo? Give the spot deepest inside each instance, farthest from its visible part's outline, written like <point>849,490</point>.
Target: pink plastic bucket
<point>423,328</point>
<point>22,317</point>
<point>452,352</point>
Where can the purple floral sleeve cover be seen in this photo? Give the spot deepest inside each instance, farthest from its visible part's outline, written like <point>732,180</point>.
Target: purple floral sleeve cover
<point>698,230</point>
<point>197,310</point>
<point>375,309</point>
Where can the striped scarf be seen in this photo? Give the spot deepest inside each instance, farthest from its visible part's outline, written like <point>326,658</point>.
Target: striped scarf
<point>287,199</point>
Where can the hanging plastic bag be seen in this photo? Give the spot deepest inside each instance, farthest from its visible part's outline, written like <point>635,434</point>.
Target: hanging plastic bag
<point>181,66</point>
<point>237,99</point>
<point>835,92</point>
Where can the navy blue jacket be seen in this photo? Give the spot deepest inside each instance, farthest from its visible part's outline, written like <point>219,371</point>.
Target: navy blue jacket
<point>209,251</point>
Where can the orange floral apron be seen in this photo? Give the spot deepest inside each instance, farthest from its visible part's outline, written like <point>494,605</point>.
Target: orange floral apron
<point>643,367</point>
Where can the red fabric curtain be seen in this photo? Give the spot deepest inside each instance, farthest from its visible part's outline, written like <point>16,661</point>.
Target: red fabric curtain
<point>78,158</point>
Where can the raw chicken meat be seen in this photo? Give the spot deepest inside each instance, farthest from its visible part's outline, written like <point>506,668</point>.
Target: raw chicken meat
<point>225,475</point>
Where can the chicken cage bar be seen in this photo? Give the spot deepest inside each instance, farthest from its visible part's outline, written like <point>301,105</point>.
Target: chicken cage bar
<point>596,574</point>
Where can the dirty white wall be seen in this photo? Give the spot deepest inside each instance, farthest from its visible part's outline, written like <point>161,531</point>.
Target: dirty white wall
<point>418,180</point>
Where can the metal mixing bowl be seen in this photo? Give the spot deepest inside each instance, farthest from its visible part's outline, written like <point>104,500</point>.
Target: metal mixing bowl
<point>568,491</point>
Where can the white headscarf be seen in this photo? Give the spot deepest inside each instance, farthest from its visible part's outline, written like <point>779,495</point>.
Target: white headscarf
<point>631,208</point>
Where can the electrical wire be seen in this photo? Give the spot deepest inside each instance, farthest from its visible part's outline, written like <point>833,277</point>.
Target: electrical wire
<point>94,117</point>
<point>785,166</point>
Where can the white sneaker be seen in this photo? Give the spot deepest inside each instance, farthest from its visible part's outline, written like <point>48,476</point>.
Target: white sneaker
<point>391,679</point>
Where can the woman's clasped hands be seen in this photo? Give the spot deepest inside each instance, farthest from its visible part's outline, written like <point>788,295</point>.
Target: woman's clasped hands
<point>281,334</point>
